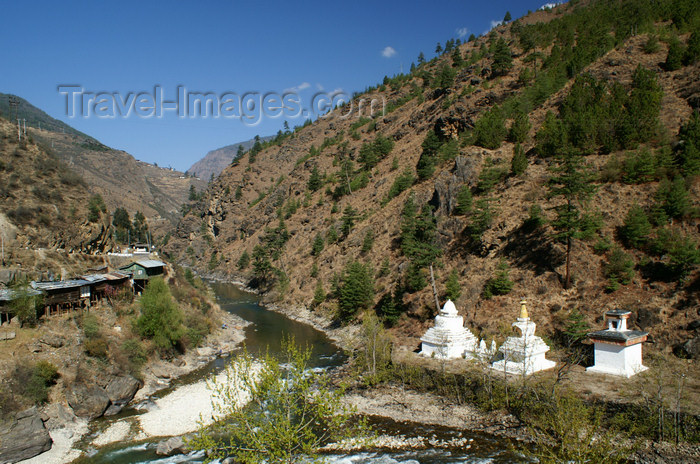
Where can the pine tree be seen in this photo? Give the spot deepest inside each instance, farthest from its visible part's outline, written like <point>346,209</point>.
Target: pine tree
<point>438,48</point>
<point>502,58</point>
<point>421,58</point>
<point>315,180</point>
<point>244,260</point>
<point>689,149</point>
<point>319,294</point>
<point>674,59</point>
<point>500,284</point>
<point>452,287</point>
<point>519,162</point>
<point>674,197</point>
<point>519,129</point>
<point>349,216</point>
<point>317,246</point>
<point>262,267</point>
<point>507,17</point>
<point>457,60</point>
<point>368,241</point>
<point>332,234</point>
<point>490,129</point>
<point>356,290</point>
<point>636,228</point>
<point>619,269</point>
<point>464,201</point>
<point>428,158</point>
<point>572,181</point>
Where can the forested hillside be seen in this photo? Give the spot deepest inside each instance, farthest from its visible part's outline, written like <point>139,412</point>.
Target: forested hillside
<point>554,158</point>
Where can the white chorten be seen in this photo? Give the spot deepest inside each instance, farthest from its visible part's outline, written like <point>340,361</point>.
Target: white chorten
<point>449,339</point>
<point>618,350</point>
<point>523,355</point>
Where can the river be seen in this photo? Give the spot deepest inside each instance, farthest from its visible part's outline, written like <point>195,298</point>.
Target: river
<point>265,332</point>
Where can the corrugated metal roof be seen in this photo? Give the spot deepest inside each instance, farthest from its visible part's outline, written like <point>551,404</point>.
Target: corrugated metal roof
<point>61,284</point>
<point>94,278</point>
<point>8,294</point>
<point>150,263</point>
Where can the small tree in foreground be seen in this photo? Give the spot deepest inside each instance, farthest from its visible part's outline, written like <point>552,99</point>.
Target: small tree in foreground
<point>160,319</point>
<point>275,410</point>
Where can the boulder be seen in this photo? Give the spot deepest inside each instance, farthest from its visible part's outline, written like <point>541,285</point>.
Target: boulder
<point>24,438</point>
<point>122,389</point>
<point>87,401</point>
<point>53,340</point>
<point>58,416</point>
<point>174,445</point>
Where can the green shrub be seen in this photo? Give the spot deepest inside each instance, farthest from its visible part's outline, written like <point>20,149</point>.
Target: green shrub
<point>619,269</point>
<point>160,319</point>
<point>500,284</point>
<point>464,201</point>
<point>636,228</point>
<point>91,326</point>
<point>518,163</point>
<point>33,381</point>
<point>135,352</point>
<point>490,129</point>
<point>452,288</point>
<point>96,347</point>
<point>402,182</point>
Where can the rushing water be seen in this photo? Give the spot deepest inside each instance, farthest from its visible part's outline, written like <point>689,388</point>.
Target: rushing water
<point>265,332</point>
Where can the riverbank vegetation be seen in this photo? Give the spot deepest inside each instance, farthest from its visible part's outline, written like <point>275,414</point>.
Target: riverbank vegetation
<point>276,410</point>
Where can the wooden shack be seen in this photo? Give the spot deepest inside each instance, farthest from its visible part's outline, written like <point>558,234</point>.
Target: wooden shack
<point>102,284</point>
<point>64,296</point>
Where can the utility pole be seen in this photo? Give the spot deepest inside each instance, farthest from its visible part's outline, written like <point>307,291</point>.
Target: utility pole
<point>435,295</point>
<point>25,128</point>
<point>14,103</point>
<point>19,130</point>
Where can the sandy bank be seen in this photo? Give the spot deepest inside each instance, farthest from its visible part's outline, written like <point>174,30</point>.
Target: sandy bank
<point>189,406</point>
<point>62,449</point>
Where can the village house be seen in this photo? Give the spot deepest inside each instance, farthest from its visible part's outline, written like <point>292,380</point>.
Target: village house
<point>142,271</point>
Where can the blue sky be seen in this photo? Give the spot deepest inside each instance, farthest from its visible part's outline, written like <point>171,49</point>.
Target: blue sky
<point>217,46</point>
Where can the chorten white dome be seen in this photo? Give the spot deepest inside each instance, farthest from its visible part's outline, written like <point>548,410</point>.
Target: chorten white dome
<point>448,339</point>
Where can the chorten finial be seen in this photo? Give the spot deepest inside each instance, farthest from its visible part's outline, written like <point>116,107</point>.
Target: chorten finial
<point>523,309</point>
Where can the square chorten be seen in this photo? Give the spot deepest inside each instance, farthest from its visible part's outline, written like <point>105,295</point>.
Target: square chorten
<point>617,350</point>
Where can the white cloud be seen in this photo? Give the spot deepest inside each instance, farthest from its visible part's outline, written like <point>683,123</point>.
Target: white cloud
<point>548,6</point>
<point>388,52</point>
<point>462,32</point>
<point>494,23</point>
<point>319,87</point>
<point>298,88</point>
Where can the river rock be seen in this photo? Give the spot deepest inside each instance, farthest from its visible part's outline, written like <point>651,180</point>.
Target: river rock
<point>24,438</point>
<point>122,389</point>
<point>59,416</point>
<point>174,445</point>
<point>87,401</point>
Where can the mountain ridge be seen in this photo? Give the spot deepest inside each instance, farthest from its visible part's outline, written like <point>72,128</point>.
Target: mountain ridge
<point>216,160</point>
<point>121,179</point>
